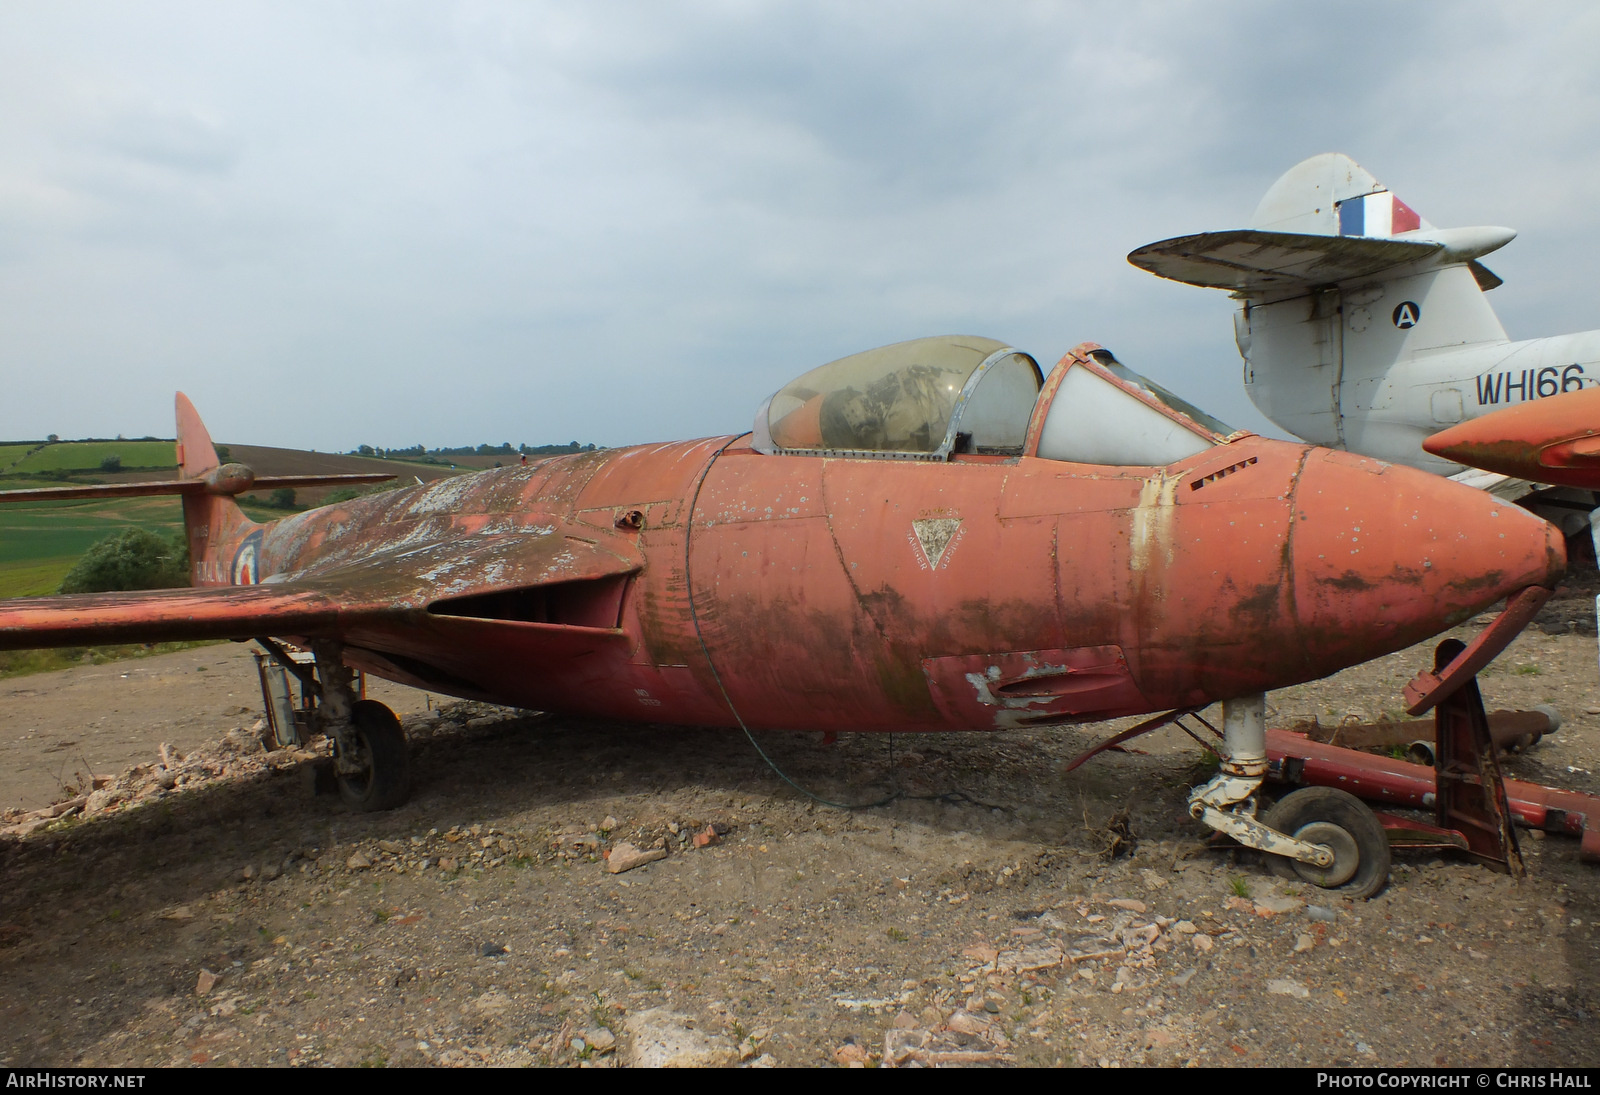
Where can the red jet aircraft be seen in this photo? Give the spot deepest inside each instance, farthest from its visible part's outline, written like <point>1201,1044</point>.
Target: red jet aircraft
<point>928,536</point>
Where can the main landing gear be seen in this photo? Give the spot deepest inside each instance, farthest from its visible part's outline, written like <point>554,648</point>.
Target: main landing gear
<point>370,766</point>
<point>1321,835</point>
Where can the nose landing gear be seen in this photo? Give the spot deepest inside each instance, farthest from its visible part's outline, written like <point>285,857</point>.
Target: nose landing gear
<point>1320,835</point>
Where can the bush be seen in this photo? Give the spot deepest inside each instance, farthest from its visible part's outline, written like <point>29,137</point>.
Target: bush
<point>112,463</point>
<point>132,559</point>
<point>282,498</point>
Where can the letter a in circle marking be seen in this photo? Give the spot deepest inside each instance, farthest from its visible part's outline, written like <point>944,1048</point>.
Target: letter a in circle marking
<point>1406,314</point>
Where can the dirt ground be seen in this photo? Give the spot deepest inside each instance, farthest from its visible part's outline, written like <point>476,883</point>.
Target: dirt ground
<point>975,919</point>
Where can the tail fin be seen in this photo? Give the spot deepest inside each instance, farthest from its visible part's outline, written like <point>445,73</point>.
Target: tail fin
<point>214,522</point>
<point>1332,195</point>
<point>1339,280</point>
<point>196,454</point>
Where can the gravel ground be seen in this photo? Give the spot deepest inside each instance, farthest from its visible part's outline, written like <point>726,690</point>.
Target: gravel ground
<point>236,919</point>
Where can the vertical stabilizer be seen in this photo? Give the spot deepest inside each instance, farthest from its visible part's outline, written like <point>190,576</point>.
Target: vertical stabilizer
<point>196,454</point>
<point>1332,195</point>
<point>217,529</point>
<point>1361,325</point>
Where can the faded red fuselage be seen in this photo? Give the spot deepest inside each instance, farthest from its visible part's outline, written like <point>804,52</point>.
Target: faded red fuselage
<point>819,593</point>
<point>709,583</point>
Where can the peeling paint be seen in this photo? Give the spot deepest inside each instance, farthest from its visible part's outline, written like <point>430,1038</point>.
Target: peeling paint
<point>1151,527</point>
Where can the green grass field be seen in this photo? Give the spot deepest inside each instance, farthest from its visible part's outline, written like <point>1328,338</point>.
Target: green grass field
<point>32,532</point>
<point>86,456</point>
<point>10,454</point>
<point>40,541</point>
<point>34,579</point>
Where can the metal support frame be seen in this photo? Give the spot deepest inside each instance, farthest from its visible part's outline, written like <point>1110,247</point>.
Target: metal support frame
<point>308,678</point>
<point>1471,798</point>
<point>290,725</point>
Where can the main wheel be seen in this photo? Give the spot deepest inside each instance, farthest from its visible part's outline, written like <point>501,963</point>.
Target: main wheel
<point>383,778</point>
<point>1337,820</point>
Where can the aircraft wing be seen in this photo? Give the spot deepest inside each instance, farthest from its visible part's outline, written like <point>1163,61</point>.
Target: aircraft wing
<point>455,577</point>
<point>1248,260</point>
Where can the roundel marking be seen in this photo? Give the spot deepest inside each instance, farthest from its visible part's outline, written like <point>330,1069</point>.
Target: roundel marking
<point>1407,314</point>
<point>247,561</point>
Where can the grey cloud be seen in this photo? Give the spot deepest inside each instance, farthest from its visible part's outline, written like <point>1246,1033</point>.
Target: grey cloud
<point>176,140</point>
<point>633,221</point>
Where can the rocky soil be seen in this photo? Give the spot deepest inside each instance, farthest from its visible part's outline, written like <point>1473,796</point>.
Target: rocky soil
<point>210,910</point>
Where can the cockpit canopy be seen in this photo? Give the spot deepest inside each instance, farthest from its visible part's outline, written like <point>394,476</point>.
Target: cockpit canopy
<point>1102,412</point>
<point>931,398</point>
<point>922,399</point>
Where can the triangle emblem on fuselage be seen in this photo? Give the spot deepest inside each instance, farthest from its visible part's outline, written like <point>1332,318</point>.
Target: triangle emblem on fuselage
<point>934,535</point>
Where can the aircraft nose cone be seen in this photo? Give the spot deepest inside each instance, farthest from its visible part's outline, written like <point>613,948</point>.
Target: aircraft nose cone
<point>1386,556</point>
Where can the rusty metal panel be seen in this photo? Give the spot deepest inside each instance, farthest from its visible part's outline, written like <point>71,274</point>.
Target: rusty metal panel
<point>786,632</point>
<point>931,564</point>
<point>1213,579</point>
<point>1028,687</point>
<point>663,474</point>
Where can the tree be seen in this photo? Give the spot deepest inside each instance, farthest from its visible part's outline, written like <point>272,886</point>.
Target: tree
<point>134,558</point>
<point>223,456</point>
<point>53,438</point>
<point>282,498</point>
<point>112,463</point>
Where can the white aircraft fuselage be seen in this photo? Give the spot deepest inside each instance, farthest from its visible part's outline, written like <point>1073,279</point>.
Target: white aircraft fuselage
<point>1364,327</point>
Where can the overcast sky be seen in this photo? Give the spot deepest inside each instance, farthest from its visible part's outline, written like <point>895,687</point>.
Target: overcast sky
<point>391,223</point>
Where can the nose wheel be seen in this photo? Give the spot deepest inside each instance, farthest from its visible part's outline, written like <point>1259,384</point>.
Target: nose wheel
<point>1341,823</point>
<point>1319,835</point>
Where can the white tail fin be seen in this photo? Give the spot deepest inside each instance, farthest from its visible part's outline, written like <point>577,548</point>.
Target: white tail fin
<point>1332,195</point>
<point>1339,280</point>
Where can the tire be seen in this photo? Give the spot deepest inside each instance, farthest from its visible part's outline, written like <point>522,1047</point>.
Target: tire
<point>386,781</point>
<point>1329,816</point>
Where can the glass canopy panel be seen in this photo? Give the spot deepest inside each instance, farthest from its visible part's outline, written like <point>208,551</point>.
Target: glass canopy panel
<point>995,416</point>
<point>1094,421</point>
<point>895,399</point>
<point>1160,394</point>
